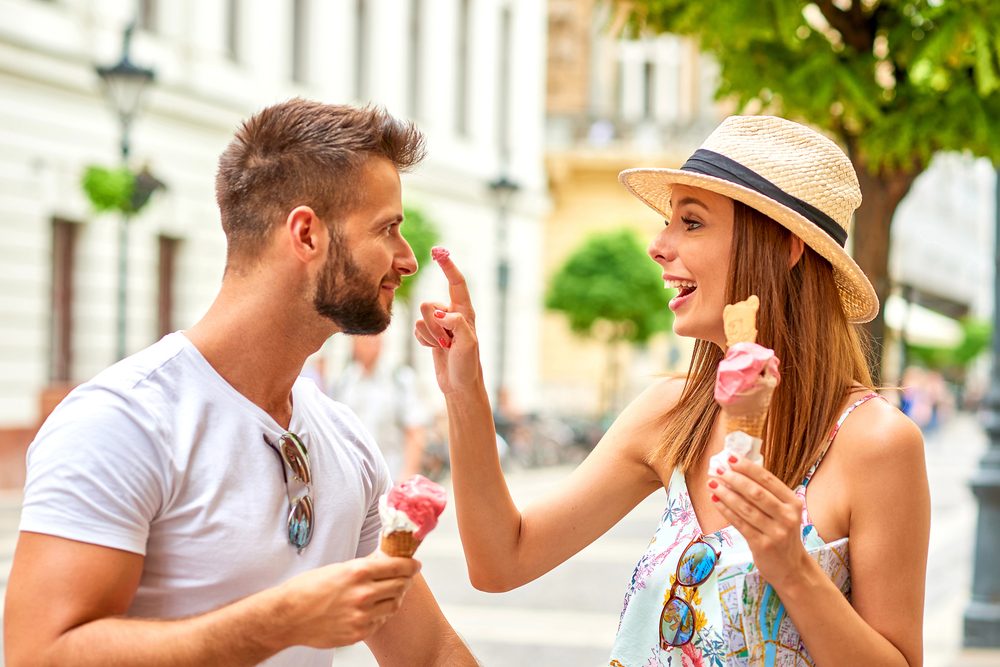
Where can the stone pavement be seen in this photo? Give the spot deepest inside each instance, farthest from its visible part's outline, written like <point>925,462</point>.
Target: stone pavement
<point>569,616</point>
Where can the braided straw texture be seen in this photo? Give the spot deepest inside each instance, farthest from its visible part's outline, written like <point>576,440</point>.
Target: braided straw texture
<point>799,161</point>
<point>400,543</point>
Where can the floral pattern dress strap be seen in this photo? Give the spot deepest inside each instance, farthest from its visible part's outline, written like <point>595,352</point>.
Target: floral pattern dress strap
<point>801,490</point>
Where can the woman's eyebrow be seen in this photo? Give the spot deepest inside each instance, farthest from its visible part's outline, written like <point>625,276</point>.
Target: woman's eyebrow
<point>689,201</point>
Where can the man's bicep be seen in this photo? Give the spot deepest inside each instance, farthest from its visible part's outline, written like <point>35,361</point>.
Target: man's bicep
<point>57,584</point>
<point>419,635</point>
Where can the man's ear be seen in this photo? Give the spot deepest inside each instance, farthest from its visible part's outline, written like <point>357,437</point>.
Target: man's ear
<point>305,232</point>
<point>795,249</point>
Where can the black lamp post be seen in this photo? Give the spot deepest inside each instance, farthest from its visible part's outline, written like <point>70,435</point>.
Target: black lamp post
<point>503,190</point>
<point>982,616</point>
<point>124,84</point>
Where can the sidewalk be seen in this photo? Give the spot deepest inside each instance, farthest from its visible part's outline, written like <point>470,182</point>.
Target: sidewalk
<point>953,453</point>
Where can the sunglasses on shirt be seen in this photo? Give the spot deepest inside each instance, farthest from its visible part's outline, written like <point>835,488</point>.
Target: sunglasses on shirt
<point>295,457</point>
<point>698,561</point>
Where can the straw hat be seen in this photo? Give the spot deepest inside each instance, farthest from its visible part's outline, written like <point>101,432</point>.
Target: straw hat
<point>788,172</point>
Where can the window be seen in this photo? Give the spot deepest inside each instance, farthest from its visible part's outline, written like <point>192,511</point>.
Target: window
<point>233,29</point>
<point>648,89</point>
<point>64,234</point>
<point>361,50</point>
<point>462,69</point>
<point>300,40</point>
<point>165,285</point>
<point>414,69</point>
<point>503,86</point>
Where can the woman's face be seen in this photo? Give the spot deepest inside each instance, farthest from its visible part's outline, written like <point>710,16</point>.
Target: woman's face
<point>693,251</point>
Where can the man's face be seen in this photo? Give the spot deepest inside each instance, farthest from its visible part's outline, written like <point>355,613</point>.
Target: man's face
<point>367,257</point>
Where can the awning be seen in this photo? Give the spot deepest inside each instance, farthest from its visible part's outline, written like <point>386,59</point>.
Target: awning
<point>923,325</point>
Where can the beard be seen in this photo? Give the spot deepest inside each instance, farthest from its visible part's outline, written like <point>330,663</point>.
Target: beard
<point>345,297</point>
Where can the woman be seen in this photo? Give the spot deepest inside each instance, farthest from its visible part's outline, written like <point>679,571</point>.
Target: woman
<point>762,208</point>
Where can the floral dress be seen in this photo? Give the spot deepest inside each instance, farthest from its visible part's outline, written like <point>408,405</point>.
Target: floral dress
<point>739,619</point>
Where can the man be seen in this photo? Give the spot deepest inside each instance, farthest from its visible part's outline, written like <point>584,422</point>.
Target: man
<point>194,503</point>
<point>387,402</point>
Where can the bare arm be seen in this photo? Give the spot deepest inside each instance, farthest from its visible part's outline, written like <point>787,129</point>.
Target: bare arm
<point>506,547</point>
<point>65,600</point>
<point>885,477</point>
<point>419,635</point>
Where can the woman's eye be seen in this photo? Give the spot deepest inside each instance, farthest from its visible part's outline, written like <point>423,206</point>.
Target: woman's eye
<point>691,223</point>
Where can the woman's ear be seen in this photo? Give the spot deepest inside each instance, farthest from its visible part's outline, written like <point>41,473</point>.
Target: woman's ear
<point>795,249</point>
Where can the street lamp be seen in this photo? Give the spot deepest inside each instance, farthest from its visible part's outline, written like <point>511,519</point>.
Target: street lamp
<point>503,190</point>
<point>124,84</point>
<point>982,616</point>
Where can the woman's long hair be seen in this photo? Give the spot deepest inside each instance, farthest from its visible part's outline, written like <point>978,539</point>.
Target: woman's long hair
<point>822,356</point>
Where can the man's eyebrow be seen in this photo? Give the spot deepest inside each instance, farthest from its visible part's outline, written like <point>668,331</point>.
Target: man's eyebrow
<point>689,201</point>
<point>389,219</point>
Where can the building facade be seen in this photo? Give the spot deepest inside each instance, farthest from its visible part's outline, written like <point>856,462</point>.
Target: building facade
<point>451,65</point>
<point>612,104</point>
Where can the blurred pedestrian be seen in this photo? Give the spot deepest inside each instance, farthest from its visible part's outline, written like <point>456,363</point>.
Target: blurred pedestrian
<point>387,399</point>
<point>197,503</point>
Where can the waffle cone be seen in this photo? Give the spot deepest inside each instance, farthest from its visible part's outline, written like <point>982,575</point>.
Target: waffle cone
<point>752,425</point>
<point>401,543</point>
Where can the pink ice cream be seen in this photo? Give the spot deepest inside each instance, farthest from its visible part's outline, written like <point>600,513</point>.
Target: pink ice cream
<point>741,368</point>
<point>421,500</point>
<point>438,253</point>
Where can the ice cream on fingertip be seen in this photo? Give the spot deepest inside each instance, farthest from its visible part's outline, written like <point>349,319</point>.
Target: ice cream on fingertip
<point>439,254</point>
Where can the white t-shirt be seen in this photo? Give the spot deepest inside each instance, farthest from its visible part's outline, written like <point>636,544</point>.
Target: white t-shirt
<point>160,456</point>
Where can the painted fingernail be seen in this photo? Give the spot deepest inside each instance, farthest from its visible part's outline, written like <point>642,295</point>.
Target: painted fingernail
<point>719,471</point>
<point>439,314</point>
<point>439,254</point>
<point>444,342</point>
<point>715,498</point>
<point>733,459</point>
<point>713,484</point>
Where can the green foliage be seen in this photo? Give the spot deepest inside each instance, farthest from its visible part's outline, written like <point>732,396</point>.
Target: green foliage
<point>119,189</point>
<point>976,337</point>
<point>610,278</point>
<point>109,189</point>
<point>422,235</point>
<point>894,80</point>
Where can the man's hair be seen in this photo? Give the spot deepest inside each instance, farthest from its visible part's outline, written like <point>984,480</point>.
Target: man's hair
<point>303,153</point>
<point>823,357</point>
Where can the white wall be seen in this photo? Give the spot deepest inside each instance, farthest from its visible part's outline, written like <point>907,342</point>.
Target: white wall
<point>54,122</point>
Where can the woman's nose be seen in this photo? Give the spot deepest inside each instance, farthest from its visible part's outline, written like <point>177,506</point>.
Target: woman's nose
<point>661,248</point>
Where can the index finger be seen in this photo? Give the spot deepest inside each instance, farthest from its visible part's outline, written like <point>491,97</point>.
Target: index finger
<point>458,290</point>
<point>762,476</point>
<point>392,567</point>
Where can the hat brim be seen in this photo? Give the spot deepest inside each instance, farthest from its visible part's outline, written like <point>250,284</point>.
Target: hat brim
<point>857,295</point>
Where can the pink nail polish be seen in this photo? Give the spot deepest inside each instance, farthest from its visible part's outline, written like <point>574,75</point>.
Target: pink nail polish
<point>715,498</point>
<point>719,471</point>
<point>444,342</point>
<point>439,314</point>
<point>733,459</point>
<point>713,484</point>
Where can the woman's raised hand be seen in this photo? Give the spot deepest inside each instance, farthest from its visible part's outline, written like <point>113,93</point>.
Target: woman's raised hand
<point>450,332</point>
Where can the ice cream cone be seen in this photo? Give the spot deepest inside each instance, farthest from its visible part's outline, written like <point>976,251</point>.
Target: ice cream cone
<point>744,388</point>
<point>400,543</point>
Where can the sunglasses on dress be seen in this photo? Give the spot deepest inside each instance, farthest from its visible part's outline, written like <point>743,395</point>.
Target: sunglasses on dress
<point>295,457</point>
<point>697,563</point>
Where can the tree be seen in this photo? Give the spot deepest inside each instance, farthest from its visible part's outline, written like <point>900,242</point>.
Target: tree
<point>894,81</point>
<point>608,288</point>
<point>422,235</point>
